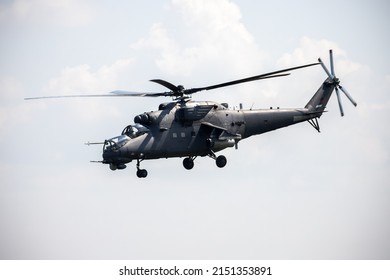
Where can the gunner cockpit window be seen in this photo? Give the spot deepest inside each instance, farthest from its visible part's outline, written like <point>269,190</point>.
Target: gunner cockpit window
<point>115,143</point>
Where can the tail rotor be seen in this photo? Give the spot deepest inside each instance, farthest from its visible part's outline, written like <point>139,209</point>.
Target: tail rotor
<point>336,82</point>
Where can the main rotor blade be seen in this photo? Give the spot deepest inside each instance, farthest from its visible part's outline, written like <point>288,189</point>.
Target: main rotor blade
<point>273,74</point>
<point>193,90</point>
<point>166,84</point>
<point>141,94</point>
<point>70,96</point>
<point>347,95</point>
<point>117,93</point>
<point>178,90</point>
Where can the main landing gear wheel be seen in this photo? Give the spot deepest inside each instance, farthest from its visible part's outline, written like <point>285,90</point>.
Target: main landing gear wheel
<point>221,161</point>
<point>188,163</point>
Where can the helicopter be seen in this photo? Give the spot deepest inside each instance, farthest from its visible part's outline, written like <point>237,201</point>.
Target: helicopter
<point>189,129</point>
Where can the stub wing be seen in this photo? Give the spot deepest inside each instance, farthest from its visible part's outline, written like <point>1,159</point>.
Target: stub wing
<point>218,137</point>
<point>219,132</point>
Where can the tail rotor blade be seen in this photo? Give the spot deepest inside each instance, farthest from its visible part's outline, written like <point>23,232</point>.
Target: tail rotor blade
<point>336,82</point>
<point>339,101</point>
<point>326,69</point>
<point>331,63</point>
<point>347,95</point>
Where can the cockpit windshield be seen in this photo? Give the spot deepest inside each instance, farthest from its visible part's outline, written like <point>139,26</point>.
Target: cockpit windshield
<point>134,130</point>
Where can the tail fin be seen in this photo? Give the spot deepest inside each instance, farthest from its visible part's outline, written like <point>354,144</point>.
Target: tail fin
<point>319,100</point>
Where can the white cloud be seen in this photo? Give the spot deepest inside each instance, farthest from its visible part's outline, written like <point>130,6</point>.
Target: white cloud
<point>215,21</point>
<point>158,38</point>
<point>83,80</point>
<point>13,111</point>
<point>70,13</point>
<point>309,50</point>
<point>219,41</point>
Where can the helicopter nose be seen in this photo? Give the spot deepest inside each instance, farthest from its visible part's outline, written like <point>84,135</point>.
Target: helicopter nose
<point>115,156</point>
<point>108,156</point>
<point>114,160</point>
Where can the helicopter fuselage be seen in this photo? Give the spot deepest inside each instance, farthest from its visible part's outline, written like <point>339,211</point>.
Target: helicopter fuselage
<point>191,129</point>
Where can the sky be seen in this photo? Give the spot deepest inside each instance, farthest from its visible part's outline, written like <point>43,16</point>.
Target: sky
<point>288,194</point>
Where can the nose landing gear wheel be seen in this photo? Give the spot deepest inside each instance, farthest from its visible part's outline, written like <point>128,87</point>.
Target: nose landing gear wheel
<point>221,161</point>
<point>142,173</point>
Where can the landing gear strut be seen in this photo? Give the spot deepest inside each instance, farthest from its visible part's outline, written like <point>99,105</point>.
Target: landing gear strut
<point>141,173</point>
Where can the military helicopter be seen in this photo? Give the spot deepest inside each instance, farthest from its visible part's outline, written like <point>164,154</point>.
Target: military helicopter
<point>189,129</point>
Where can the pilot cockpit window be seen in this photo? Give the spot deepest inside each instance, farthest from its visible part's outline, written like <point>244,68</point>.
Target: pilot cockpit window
<point>134,130</point>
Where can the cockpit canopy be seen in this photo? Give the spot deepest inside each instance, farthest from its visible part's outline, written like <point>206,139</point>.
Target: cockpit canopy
<point>128,133</point>
<point>135,130</point>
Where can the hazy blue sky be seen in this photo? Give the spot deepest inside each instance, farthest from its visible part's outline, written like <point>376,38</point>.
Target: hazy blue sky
<point>289,194</point>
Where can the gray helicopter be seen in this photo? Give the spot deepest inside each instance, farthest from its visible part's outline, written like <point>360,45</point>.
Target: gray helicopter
<point>188,129</point>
